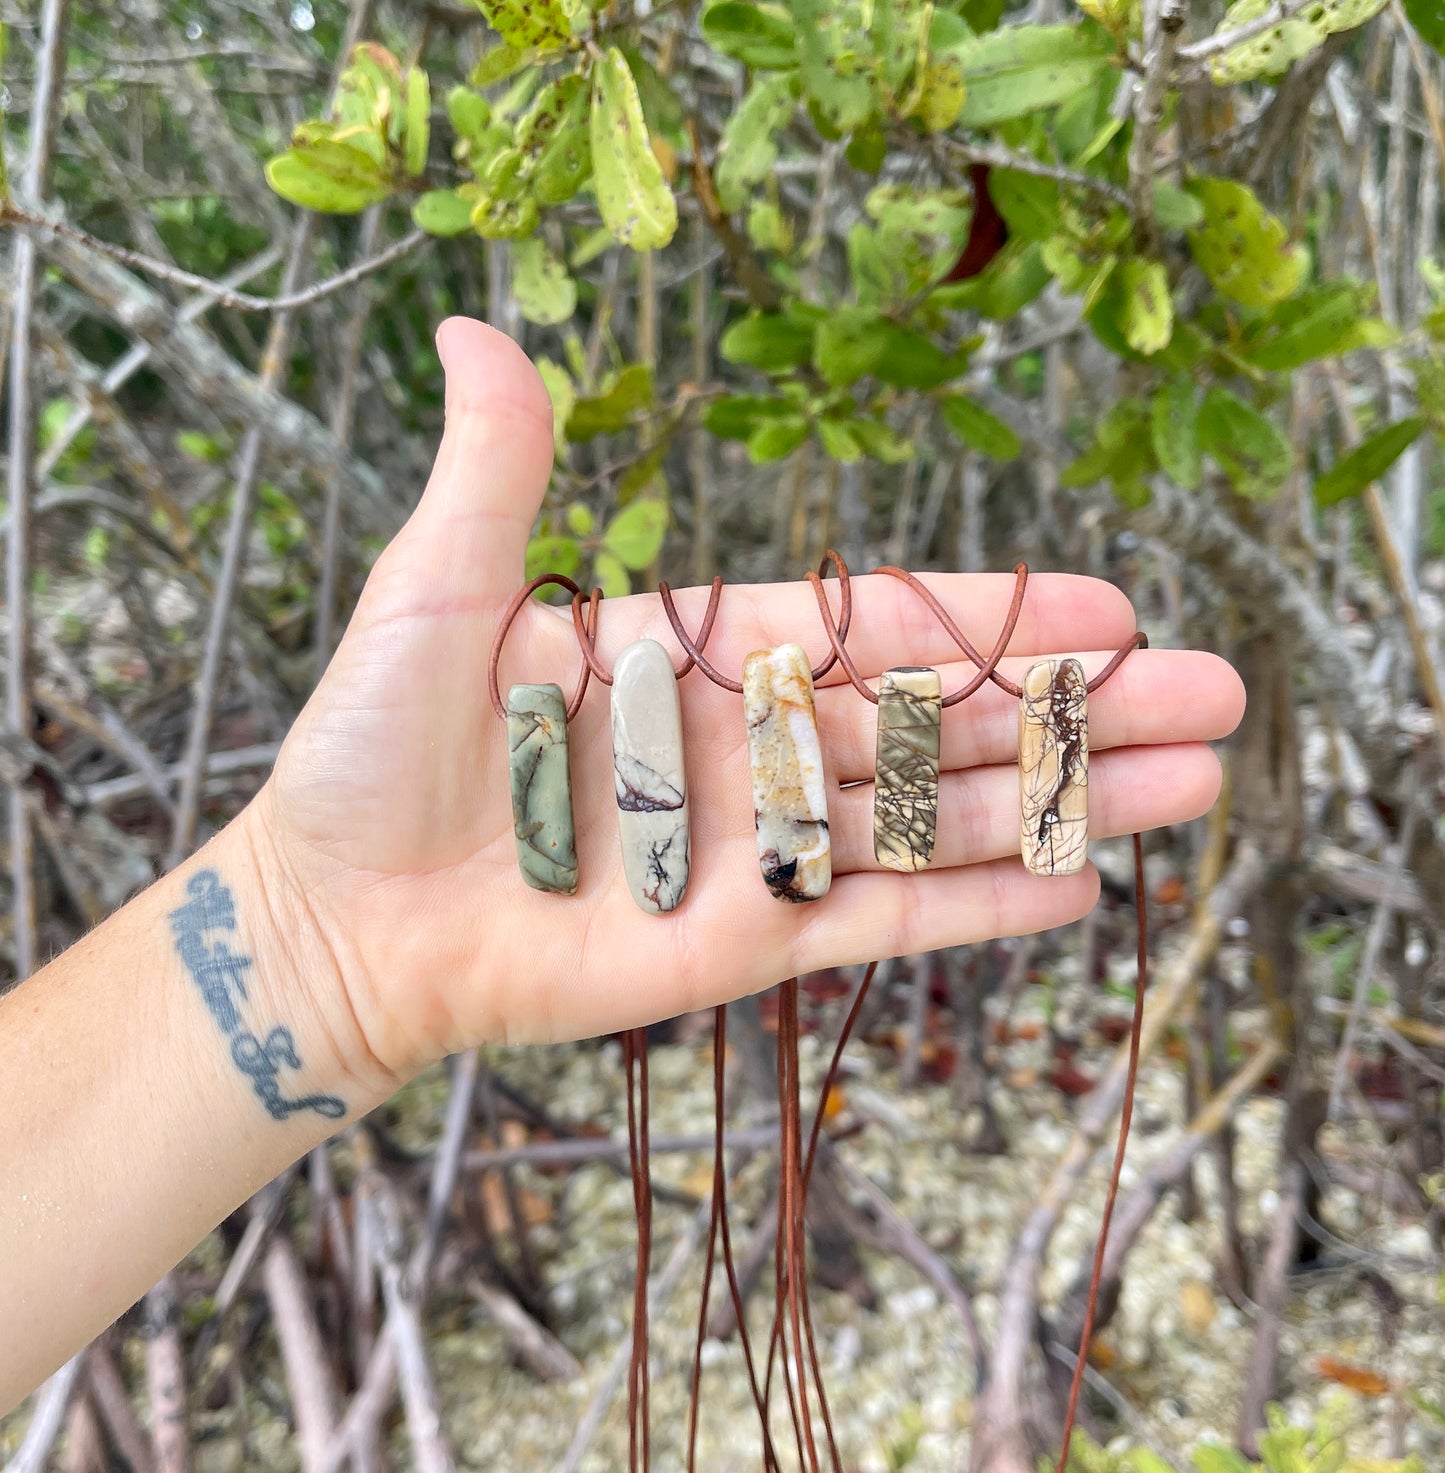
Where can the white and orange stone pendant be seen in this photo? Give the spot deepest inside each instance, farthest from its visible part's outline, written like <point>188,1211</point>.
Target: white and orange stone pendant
<point>790,801</point>
<point>1054,768</point>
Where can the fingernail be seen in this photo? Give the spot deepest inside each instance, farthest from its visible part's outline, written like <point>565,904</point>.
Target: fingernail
<point>444,332</point>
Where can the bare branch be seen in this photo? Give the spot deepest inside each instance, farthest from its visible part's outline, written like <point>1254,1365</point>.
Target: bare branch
<point>217,294</point>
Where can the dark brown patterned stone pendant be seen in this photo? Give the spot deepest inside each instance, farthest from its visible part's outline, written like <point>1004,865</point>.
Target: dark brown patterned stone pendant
<point>905,787</point>
<point>1054,768</point>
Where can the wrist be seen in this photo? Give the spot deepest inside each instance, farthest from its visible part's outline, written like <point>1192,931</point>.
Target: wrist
<point>289,1026</point>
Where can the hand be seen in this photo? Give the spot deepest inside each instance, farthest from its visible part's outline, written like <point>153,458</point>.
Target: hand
<point>388,816</point>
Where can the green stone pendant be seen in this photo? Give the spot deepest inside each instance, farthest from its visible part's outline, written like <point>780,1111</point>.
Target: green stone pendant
<point>905,789</point>
<point>542,788</point>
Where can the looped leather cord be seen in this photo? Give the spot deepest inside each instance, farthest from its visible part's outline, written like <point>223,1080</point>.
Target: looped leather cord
<point>587,638</point>
<point>518,603</point>
<point>986,670</point>
<point>694,649</point>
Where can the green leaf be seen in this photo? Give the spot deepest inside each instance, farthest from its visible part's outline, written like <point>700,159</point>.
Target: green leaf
<point>1213,1459</point>
<point>1242,248</point>
<point>418,120</point>
<point>776,439</point>
<point>739,415</point>
<point>1428,18</point>
<point>1029,205</point>
<point>941,95</point>
<point>850,344</point>
<point>635,534</point>
<point>1022,69</point>
<point>550,554</point>
<point>299,175</point>
<point>1147,318</point>
<point>442,212</point>
<point>502,62</point>
<point>979,429</point>
<point>880,440</point>
<point>1144,1460</point>
<point>543,290</point>
<point>579,519</point>
<point>1175,208</point>
<point>1174,429</point>
<point>469,113</point>
<point>1367,462</point>
<point>1270,52</point>
<point>542,24</point>
<point>637,205</point>
<point>610,575</point>
<point>563,394</point>
<point>1320,322</point>
<point>606,414</point>
<point>1013,279</point>
<point>838,442</point>
<point>1250,449</point>
<point>756,35</point>
<point>748,149</point>
<point>771,341</point>
<point>912,361</point>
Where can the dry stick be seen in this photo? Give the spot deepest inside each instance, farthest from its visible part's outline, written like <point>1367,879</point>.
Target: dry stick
<point>52,1402</point>
<point>1000,1421</point>
<point>659,1291</point>
<point>84,1450</point>
<point>699,443</point>
<point>430,1447</point>
<point>218,764</point>
<point>343,413</point>
<point>542,1353</point>
<point>138,355</point>
<point>910,1068</point>
<point>1190,56</point>
<point>901,1237</point>
<point>166,1380</point>
<point>1151,1188</point>
<point>1163,21</point>
<point>112,1400</point>
<point>303,1354</point>
<point>274,363</point>
<point>290,299</point>
<point>1427,667</point>
<point>20,474</point>
<point>1429,90</point>
<point>1375,937</point>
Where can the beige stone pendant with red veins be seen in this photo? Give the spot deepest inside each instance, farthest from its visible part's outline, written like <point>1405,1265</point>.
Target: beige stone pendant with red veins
<point>1054,768</point>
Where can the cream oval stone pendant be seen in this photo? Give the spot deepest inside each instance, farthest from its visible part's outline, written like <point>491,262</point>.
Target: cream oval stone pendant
<point>790,801</point>
<point>542,788</point>
<point>1054,768</point>
<point>905,784</point>
<point>650,780</point>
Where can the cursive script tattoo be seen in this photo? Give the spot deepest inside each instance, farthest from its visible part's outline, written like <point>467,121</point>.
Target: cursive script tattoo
<point>220,972</point>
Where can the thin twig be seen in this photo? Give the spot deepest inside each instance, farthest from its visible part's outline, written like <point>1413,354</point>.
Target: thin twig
<point>50,62</point>
<point>52,1402</point>
<point>290,299</point>
<point>1163,22</point>
<point>303,1354</point>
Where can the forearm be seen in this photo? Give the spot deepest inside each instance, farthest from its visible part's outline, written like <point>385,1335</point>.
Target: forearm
<point>156,1075</point>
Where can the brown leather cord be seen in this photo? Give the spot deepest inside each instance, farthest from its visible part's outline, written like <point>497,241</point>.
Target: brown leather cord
<point>518,603</point>
<point>718,1229</point>
<point>985,671</point>
<point>694,649</point>
<point>792,1317</point>
<point>1096,1277</point>
<point>639,1420</point>
<point>587,638</point>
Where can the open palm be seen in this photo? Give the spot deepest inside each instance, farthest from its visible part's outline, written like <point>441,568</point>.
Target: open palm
<point>390,800</point>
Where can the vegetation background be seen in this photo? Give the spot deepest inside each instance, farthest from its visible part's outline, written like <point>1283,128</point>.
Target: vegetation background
<point>1142,288</point>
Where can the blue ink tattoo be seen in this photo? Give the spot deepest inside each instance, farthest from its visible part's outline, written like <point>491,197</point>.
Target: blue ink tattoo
<point>220,973</point>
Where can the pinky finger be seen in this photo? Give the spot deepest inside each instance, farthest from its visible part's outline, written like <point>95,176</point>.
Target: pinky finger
<point>866,916</point>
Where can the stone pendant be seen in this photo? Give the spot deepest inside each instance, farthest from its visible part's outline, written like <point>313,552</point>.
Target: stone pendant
<point>790,802</point>
<point>1054,768</point>
<point>905,789</point>
<point>542,788</point>
<point>647,766</point>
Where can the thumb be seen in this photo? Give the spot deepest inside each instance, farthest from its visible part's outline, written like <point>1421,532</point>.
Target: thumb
<point>493,466</point>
